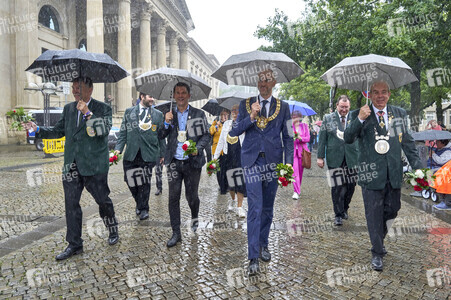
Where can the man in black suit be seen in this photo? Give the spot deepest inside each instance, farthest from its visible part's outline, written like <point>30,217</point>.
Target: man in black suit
<point>381,131</point>
<point>86,124</point>
<point>181,124</point>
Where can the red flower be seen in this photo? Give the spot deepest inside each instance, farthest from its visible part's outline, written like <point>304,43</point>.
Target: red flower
<point>417,188</point>
<point>184,147</point>
<point>418,180</point>
<point>14,111</point>
<point>285,183</point>
<point>114,157</point>
<point>111,159</point>
<point>282,179</point>
<point>211,166</point>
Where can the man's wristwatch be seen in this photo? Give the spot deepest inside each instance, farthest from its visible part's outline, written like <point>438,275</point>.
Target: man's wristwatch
<point>86,115</point>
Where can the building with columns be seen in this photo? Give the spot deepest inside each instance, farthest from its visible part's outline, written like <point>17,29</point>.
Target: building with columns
<point>141,35</point>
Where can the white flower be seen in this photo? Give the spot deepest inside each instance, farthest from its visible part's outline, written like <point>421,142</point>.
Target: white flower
<point>282,173</point>
<point>419,174</point>
<point>186,143</point>
<point>214,165</point>
<point>111,154</point>
<point>413,182</point>
<point>280,182</point>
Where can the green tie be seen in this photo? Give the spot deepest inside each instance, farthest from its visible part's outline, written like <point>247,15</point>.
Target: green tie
<point>80,118</point>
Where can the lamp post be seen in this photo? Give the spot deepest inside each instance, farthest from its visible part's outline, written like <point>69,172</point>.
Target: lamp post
<point>47,89</point>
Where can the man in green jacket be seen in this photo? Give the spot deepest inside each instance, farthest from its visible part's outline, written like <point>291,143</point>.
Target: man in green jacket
<point>86,124</point>
<point>382,132</point>
<point>341,158</point>
<point>140,129</point>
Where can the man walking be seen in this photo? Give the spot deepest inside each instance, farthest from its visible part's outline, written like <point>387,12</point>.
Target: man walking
<point>85,123</point>
<point>341,158</point>
<point>181,124</point>
<point>382,132</point>
<point>140,129</point>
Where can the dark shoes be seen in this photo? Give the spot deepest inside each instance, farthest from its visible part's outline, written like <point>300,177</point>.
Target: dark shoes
<point>138,212</point>
<point>176,237</point>
<point>384,251</point>
<point>376,263</point>
<point>143,215</point>
<point>338,221</point>
<point>194,224</point>
<point>264,254</point>
<point>158,192</point>
<point>113,238</point>
<point>253,268</point>
<point>345,215</point>
<point>70,251</point>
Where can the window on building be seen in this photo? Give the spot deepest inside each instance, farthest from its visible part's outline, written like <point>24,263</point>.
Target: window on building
<point>430,116</point>
<point>47,17</point>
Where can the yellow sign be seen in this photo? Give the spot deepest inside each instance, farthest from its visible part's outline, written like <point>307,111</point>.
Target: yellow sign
<point>54,145</point>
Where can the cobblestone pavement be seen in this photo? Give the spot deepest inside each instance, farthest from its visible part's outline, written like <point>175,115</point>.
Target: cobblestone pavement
<point>311,259</point>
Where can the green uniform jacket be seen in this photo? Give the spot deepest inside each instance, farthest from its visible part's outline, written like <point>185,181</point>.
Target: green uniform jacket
<point>333,148</point>
<point>89,152</point>
<point>152,147</point>
<point>376,169</point>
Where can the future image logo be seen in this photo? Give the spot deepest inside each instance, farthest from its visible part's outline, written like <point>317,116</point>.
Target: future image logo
<point>96,228</point>
<point>438,77</point>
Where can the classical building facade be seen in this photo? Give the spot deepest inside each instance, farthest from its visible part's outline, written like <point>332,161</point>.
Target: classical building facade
<point>141,35</point>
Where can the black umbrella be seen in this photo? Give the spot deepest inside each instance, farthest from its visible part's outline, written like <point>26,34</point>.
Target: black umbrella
<point>164,106</point>
<point>67,65</point>
<point>429,135</point>
<point>212,107</point>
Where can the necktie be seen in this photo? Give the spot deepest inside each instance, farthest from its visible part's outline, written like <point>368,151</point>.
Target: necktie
<point>343,122</point>
<point>381,118</point>
<point>143,115</point>
<point>263,110</point>
<point>80,118</point>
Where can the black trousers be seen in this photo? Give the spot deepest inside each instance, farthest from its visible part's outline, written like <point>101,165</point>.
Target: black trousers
<point>97,186</point>
<point>342,193</point>
<point>380,207</point>
<point>180,171</point>
<point>137,175</point>
<point>159,175</point>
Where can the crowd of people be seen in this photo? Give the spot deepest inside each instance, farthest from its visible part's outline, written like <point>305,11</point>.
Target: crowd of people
<point>249,141</point>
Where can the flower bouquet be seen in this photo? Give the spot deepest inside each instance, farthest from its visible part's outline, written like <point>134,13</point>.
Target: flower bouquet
<point>114,159</point>
<point>18,116</point>
<point>285,174</point>
<point>189,147</point>
<point>213,167</point>
<point>421,179</point>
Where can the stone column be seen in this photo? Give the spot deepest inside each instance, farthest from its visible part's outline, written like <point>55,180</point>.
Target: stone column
<point>154,55</point>
<point>124,54</point>
<point>161,44</point>
<point>145,42</point>
<point>174,50</point>
<point>184,55</point>
<point>94,38</point>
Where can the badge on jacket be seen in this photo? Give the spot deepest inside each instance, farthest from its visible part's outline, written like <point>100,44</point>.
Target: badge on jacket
<point>154,127</point>
<point>90,131</point>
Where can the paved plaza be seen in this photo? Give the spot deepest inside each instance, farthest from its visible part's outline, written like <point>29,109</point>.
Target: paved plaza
<point>311,259</point>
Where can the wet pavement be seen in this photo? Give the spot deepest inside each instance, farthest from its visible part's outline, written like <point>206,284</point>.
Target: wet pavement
<point>311,259</point>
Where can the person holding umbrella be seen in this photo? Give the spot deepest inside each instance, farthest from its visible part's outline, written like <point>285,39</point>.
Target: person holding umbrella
<point>301,138</point>
<point>381,132</point>
<point>182,124</point>
<point>141,129</point>
<point>265,121</point>
<point>86,124</point>
<point>341,158</point>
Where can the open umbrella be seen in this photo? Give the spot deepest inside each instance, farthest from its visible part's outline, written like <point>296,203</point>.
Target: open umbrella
<point>67,65</point>
<point>164,106</point>
<point>212,107</point>
<point>301,107</point>
<point>243,69</point>
<point>234,95</point>
<point>359,72</point>
<point>229,103</point>
<point>160,83</point>
<point>429,135</point>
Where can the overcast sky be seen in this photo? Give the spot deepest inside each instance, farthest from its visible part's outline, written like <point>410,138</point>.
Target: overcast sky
<point>224,28</point>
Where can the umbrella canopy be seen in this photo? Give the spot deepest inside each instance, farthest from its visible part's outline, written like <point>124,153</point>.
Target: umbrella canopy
<point>229,103</point>
<point>212,107</point>
<point>234,95</point>
<point>431,135</point>
<point>243,69</point>
<point>164,106</point>
<point>160,83</point>
<point>67,65</point>
<point>359,72</point>
<point>301,107</point>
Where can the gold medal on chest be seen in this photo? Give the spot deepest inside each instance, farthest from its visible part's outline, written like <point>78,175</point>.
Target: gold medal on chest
<point>381,146</point>
<point>340,134</point>
<point>181,137</point>
<point>145,126</point>
<point>232,140</point>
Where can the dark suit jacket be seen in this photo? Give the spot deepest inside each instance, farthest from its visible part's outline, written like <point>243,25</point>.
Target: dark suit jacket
<point>90,153</point>
<point>197,131</point>
<point>387,166</point>
<point>152,148</point>
<point>268,140</point>
<point>333,148</point>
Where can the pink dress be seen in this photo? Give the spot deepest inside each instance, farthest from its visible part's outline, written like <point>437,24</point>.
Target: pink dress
<point>304,133</point>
